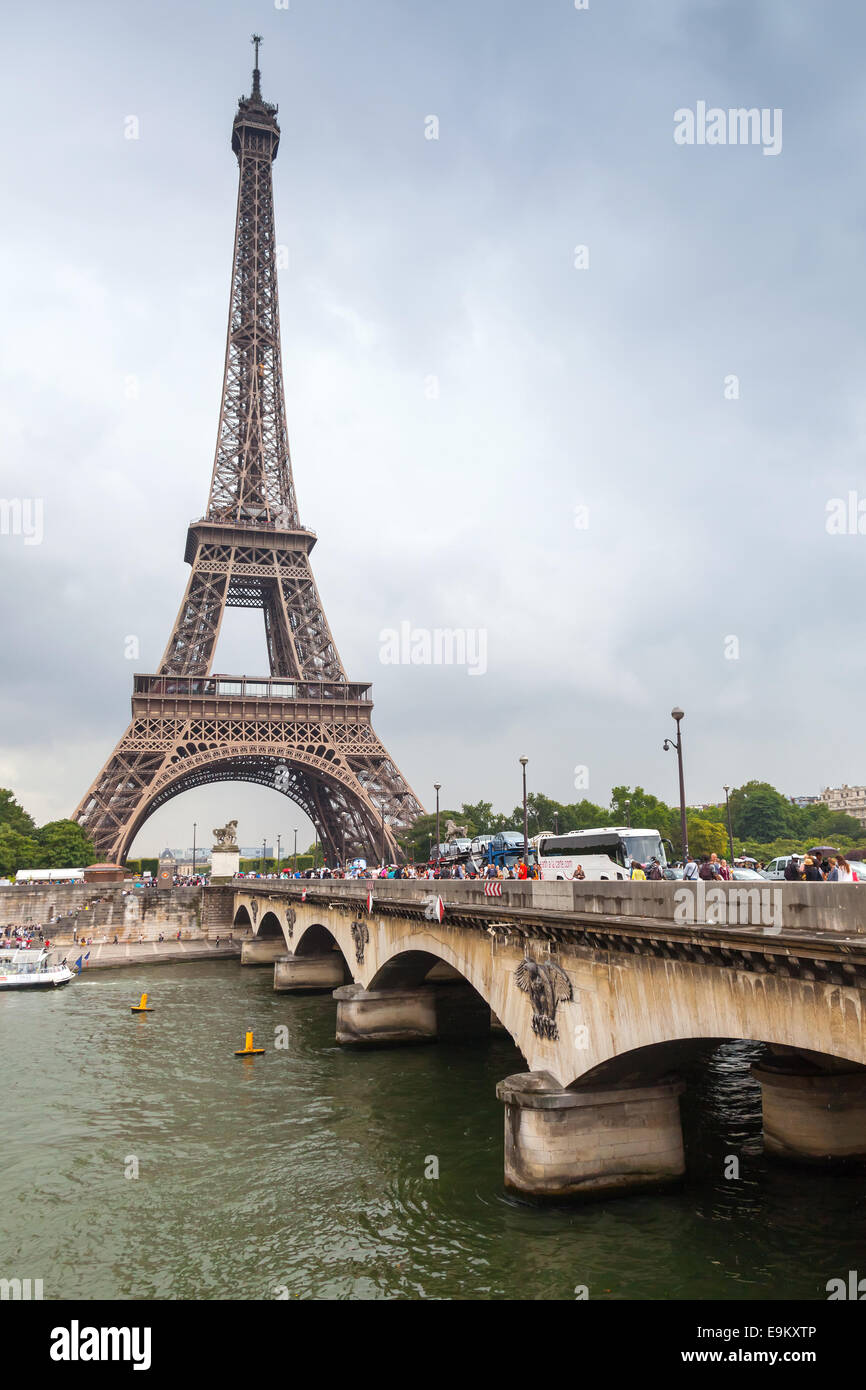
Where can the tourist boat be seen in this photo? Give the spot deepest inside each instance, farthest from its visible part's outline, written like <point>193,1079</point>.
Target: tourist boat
<point>28,969</point>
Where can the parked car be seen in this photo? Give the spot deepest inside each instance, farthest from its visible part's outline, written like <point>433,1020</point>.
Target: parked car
<point>776,867</point>
<point>739,875</point>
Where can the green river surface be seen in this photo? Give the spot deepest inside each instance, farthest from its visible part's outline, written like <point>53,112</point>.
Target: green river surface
<point>301,1173</point>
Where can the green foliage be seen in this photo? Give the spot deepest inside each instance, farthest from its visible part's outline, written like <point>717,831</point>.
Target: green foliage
<point>64,845</point>
<point>705,837</point>
<point>759,811</point>
<point>138,866</point>
<point>13,815</point>
<point>18,851</point>
<point>61,844</point>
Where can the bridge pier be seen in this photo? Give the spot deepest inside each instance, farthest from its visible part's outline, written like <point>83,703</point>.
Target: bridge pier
<point>813,1117</point>
<point>380,1016</point>
<point>561,1142</point>
<point>308,974</point>
<point>262,951</point>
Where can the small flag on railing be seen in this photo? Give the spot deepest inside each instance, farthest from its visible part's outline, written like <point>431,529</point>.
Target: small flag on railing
<point>439,909</point>
<point>303,895</point>
<point>369,902</point>
<point>493,889</point>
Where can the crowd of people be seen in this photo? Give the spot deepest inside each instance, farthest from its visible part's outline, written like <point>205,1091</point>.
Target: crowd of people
<point>820,869</point>
<point>518,870</point>
<point>16,936</point>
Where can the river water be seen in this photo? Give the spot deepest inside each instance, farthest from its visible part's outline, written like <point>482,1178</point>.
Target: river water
<point>301,1173</point>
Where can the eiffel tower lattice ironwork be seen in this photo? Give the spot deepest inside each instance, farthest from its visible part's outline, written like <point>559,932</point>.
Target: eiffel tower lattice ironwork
<point>305,729</point>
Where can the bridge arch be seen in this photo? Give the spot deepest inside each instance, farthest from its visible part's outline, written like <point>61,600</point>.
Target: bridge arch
<point>270,926</point>
<point>418,961</point>
<point>315,939</point>
<point>242,918</point>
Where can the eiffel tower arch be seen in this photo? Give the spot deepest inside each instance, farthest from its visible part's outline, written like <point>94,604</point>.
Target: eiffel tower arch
<point>304,729</point>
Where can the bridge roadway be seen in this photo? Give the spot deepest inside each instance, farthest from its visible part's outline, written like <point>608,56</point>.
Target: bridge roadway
<point>606,988</point>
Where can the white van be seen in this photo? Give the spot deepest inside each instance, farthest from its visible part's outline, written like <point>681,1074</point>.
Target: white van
<point>776,867</point>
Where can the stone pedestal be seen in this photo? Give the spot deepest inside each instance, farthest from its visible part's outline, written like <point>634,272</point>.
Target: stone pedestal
<point>262,951</point>
<point>308,974</point>
<point>225,863</point>
<point>386,1015</point>
<point>566,1143</point>
<point>813,1118</point>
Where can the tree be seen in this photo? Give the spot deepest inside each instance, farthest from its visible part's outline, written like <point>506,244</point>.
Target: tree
<point>759,812</point>
<point>644,810</point>
<point>13,815</point>
<point>18,851</point>
<point>706,837</point>
<point>64,845</point>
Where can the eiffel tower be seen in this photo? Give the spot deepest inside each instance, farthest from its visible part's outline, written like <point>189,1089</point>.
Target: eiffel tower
<point>305,729</point>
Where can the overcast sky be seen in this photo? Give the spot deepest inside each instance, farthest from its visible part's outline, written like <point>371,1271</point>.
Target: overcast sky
<point>559,387</point>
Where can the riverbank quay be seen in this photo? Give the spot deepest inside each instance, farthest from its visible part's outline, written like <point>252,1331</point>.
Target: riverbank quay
<point>126,910</point>
<point>107,956</point>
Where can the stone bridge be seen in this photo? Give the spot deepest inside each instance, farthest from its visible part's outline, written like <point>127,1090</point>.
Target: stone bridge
<point>605,989</point>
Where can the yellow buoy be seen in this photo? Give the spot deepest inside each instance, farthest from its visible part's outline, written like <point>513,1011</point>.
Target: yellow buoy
<point>248,1050</point>
<point>142,1007</point>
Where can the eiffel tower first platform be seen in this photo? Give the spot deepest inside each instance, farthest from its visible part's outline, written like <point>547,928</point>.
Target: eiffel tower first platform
<point>305,729</point>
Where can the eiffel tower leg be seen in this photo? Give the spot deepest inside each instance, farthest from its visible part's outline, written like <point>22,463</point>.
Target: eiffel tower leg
<point>193,640</point>
<point>109,807</point>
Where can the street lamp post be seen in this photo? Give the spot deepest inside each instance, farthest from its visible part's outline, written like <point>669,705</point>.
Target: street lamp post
<point>193,848</point>
<point>556,822</point>
<point>523,762</point>
<point>279,838</point>
<point>438,787</point>
<point>295,860</point>
<point>628,814</point>
<point>382,861</point>
<point>677,715</point>
<point>730,829</point>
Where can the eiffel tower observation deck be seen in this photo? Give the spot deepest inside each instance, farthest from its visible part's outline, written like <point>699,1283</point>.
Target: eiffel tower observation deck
<point>304,728</point>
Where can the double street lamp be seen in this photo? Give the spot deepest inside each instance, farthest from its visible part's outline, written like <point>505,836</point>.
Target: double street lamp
<point>523,762</point>
<point>438,788</point>
<point>677,714</point>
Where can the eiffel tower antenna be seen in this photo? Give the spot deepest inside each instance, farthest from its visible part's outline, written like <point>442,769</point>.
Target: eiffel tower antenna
<point>304,729</point>
<point>256,40</point>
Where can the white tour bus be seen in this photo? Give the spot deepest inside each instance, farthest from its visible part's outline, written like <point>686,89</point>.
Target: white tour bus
<point>606,852</point>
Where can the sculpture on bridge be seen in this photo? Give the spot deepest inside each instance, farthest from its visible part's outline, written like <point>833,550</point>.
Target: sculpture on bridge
<point>227,837</point>
<point>547,985</point>
<point>360,936</point>
<point>291,918</point>
<point>453,831</point>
